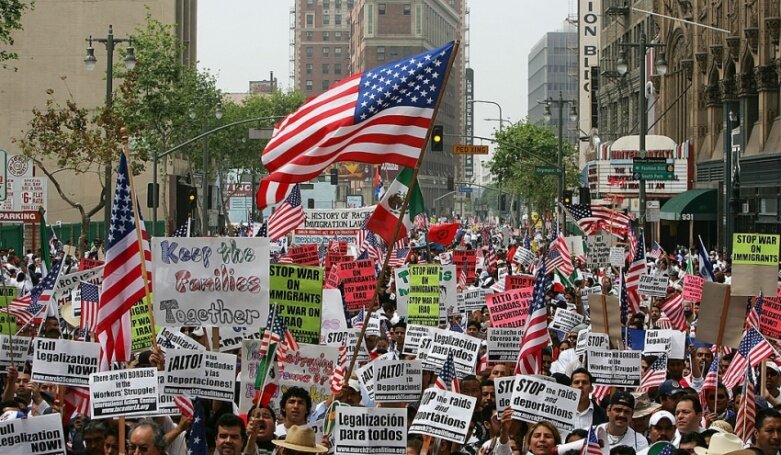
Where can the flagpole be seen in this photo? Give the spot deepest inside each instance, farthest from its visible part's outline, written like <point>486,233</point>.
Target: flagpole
<point>125,149</point>
<point>404,206</point>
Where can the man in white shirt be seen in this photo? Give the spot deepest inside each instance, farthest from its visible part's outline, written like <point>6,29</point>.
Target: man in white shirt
<point>619,414</point>
<point>588,413</point>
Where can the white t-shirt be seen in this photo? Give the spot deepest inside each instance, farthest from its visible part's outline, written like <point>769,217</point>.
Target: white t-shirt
<point>631,438</point>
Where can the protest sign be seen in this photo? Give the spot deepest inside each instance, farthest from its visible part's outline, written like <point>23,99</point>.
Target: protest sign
<point>692,288</point>
<point>397,381</point>
<point>321,225</point>
<point>423,300</point>
<point>464,348</point>
<point>413,336</point>
<point>366,378</point>
<point>7,320</point>
<point>617,256</point>
<point>67,282</point>
<point>13,354</point>
<point>42,435</point>
<point>351,340</point>
<point>670,342</point>
<point>297,292</point>
<point>86,264</point>
<point>448,291</point>
<point>171,338</point>
<point>362,430</point>
<point>751,279</point>
<point>536,399</point>
<point>652,286</point>
<point>755,249</point>
<point>304,254</point>
<point>444,415</point>
<point>605,315</point>
<point>231,337</point>
<point>311,367</point>
<point>250,359</point>
<point>141,327</point>
<point>518,281</point>
<point>585,292</point>
<point>724,326</point>
<point>466,260</point>
<point>123,393</point>
<point>401,280</point>
<point>475,299</point>
<point>575,245</point>
<point>523,256</point>
<point>423,349</point>
<point>615,368</point>
<point>333,320</point>
<point>503,343</point>
<point>565,320</point>
<point>359,279</point>
<point>166,406</point>
<point>770,318</point>
<point>582,343</point>
<point>202,374</point>
<point>503,388</point>
<point>64,362</point>
<point>218,281</point>
<point>509,308</point>
<point>598,251</point>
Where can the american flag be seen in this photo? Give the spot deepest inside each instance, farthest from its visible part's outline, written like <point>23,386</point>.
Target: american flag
<point>655,375</point>
<point>337,379</point>
<point>262,230</point>
<point>287,216</point>
<point>600,392</point>
<point>747,410</point>
<point>591,447</point>
<point>527,243</point>
<point>491,260</point>
<point>77,400</point>
<point>554,231</point>
<point>370,247</point>
<point>636,268</point>
<point>26,308</point>
<point>183,230</point>
<point>656,251</point>
<point>535,333</point>
<point>752,350</point>
<point>631,239</point>
<point>593,218</point>
<point>447,375</point>
<point>123,282</point>
<point>673,309</point>
<point>754,312</point>
<point>185,406</point>
<point>399,255</point>
<point>269,335</point>
<point>421,222</point>
<point>379,116</point>
<point>357,320</point>
<point>559,257</point>
<point>711,382</point>
<point>196,443</point>
<point>462,278</point>
<point>90,296</point>
<point>623,301</point>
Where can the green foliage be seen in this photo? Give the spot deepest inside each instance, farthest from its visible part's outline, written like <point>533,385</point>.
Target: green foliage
<point>10,20</point>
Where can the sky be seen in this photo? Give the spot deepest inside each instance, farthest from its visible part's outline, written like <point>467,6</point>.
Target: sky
<point>243,40</point>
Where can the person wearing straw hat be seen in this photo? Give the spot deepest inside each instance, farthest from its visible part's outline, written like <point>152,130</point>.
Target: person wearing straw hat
<point>720,443</point>
<point>299,440</point>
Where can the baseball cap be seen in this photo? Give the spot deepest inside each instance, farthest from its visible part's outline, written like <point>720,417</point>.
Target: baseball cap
<point>669,388</point>
<point>623,398</point>
<point>354,384</point>
<point>659,415</point>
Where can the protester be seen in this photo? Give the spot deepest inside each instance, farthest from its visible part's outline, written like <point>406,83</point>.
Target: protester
<point>147,437</point>
<point>296,404</point>
<point>619,412</point>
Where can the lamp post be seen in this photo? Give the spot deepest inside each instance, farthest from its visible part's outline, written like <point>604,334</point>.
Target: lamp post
<point>661,69</point>
<point>501,128</point>
<point>89,64</point>
<point>573,116</point>
<point>205,180</point>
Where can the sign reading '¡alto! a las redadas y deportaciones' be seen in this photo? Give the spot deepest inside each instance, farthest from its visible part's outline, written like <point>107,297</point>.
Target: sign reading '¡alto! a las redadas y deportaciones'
<point>755,249</point>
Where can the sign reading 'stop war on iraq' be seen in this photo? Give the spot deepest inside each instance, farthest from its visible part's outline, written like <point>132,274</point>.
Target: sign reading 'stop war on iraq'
<point>216,281</point>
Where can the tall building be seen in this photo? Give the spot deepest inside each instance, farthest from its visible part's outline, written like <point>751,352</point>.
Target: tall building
<point>51,56</point>
<point>553,67</point>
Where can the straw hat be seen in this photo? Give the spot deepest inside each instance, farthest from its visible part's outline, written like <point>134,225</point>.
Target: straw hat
<point>301,439</point>
<point>720,443</point>
<point>644,406</point>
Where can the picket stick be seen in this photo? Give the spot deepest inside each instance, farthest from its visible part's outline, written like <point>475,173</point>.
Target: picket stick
<point>720,336</point>
<point>10,335</point>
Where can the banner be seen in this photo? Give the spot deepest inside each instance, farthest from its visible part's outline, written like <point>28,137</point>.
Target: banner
<point>536,399</point>
<point>250,359</point>
<point>67,282</point>
<point>444,415</point>
<point>379,431</point>
<point>755,249</point>
<point>311,367</point>
<point>401,281</point>
<point>217,281</point>
<point>412,338</point>
<point>397,381</point>
<point>504,344</point>
<point>770,319</point>
<point>358,279</point>
<point>298,293</point>
<point>598,251</point>
<point>518,281</point>
<point>13,354</point>
<point>305,254</point>
<point>692,288</point>
<point>123,393</point>
<point>202,374</point>
<point>653,286</point>
<point>170,338</point>
<point>466,260</point>
<point>231,337</point>
<point>670,342</point>
<point>423,300</point>
<point>41,435</point>
<point>141,327</point>
<point>333,324</point>
<point>475,299</point>
<point>615,368</point>
<point>565,320</point>
<point>64,362</point>
<point>510,308</point>
<point>465,350</point>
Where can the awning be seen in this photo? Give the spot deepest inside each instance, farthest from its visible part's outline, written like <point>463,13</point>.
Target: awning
<point>692,205</point>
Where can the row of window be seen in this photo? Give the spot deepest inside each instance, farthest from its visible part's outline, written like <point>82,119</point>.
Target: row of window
<point>394,52</point>
<point>326,68</point>
<point>326,18</point>
<point>327,4</point>
<point>309,36</point>
<point>309,52</point>
<point>325,84</point>
<point>406,9</point>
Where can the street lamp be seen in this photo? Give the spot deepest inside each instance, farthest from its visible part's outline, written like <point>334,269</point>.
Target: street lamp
<point>90,62</point>
<point>205,180</point>
<point>501,128</point>
<point>573,116</point>
<point>661,68</point>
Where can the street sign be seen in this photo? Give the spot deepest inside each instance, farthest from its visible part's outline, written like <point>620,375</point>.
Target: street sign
<point>466,149</point>
<point>653,169</point>
<point>546,170</point>
<point>464,189</point>
<point>652,214</point>
<point>27,216</point>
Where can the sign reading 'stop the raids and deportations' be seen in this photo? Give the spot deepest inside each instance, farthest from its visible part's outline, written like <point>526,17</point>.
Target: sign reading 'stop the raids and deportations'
<point>536,399</point>
<point>216,281</point>
<point>33,436</point>
<point>444,414</point>
<point>200,374</point>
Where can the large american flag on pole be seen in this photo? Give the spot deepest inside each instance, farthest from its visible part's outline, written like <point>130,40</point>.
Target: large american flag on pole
<point>752,350</point>
<point>123,281</point>
<point>593,218</point>
<point>636,268</point>
<point>535,333</point>
<point>379,116</point>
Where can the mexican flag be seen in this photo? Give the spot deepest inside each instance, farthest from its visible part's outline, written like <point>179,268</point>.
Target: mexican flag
<point>383,220</point>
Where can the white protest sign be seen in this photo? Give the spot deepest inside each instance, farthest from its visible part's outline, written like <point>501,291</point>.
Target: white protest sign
<point>582,343</point>
<point>448,291</point>
<point>231,337</point>
<point>443,414</point>
<point>64,362</point>
<point>413,336</point>
<point>351,337</point>
<point>250,359</point>
<point>333,320</point>
<point>123,393</point>
<point>67,282</point>
<point>617,256</point>
<point>465,350</point>
<point>535,399</point>
<point>218,281</point>
<point>652,286</point>
<point>401,280</point>
<point>503,344</point>
<point>171,338</point>
<point>670,342</point>
<point>423,350</point>
<point>366,378</point>
<point>311,367</point>
<point>379,431</point>
<point>598,251</point>
<point>565,320</point>
<point>474,299</point>
<point>503,388</point>
<point>575,245</point>
<point>41,435</point>
<point>592,290</point>
<point>523,256</point>
<point>166,405</point>
<point>615,368</point>
<point>598,341</point>
<point>202,374</point>
<point>13,354</point>
<point>397,380</point>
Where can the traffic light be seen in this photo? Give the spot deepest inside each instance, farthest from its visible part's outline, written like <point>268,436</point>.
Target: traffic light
<point>192,200</point>
<point>152,195</point>
<point>334,176</point>
<point>585,195</point>
<point>567,199</point>
<point>437,136</point>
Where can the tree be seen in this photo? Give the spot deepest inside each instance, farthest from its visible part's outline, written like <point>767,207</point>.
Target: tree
<point>10,20</point>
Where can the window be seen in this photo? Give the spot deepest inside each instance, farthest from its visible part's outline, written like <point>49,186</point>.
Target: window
<point>326,36</point>
<point>325,68</point>
<point>310,3</point>
<point>326,51</point>
<point>326,83</point>
<point>309,51</point>
<point>338,4</point>
<point>308,85</point>
<point>326,19</point>
<point>310,20</point>
<point>407,9</point>
<point>337,36</point>
<point>309,68</point>
<point>381,9</point>
<point>350,4</point>
<point>380,53</point>
<point>768,206</point>
<point>370,20</point>
<point>337,52</point>
<point>337,68</point>
<point>326,4</point>
<point>394,51</point>
<point>337,19</point>
<point>310,36</point>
